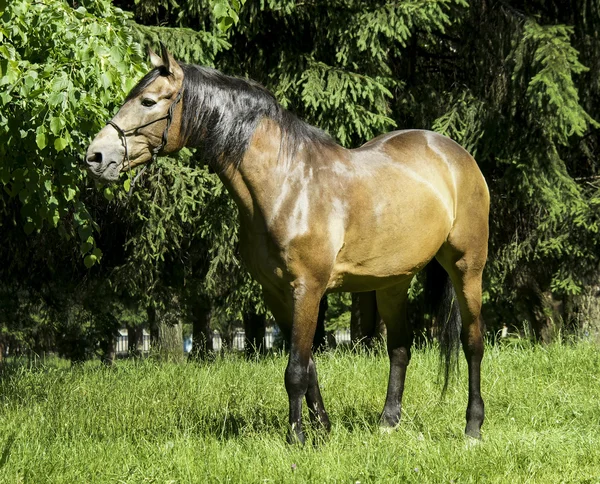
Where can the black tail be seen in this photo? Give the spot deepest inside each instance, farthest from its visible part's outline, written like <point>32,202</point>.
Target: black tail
<point>441,304</point>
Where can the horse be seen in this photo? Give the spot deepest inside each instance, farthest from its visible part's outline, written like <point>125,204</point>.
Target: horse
<point>316,217</point>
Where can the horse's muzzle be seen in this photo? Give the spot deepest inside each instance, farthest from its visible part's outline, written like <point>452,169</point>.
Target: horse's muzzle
<point>103,165</point>
<point>103,161</point>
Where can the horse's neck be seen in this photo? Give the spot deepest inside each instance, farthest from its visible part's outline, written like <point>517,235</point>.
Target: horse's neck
<point>255,182</point>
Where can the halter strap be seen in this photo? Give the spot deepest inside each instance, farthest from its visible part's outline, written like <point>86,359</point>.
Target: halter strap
<point>123,134</point>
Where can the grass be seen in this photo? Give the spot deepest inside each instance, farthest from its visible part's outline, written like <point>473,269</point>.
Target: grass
<point>225,422</point>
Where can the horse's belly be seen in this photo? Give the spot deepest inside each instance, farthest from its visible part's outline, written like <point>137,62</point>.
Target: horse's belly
<point>385,254</point>
<point>378,272</point>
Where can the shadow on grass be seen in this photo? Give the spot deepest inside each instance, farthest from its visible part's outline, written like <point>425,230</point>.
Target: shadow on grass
<point>6,450</point>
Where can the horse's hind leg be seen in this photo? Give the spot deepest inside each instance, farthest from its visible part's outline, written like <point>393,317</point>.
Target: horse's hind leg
<point>465,270</point>
<point>391,303</point>
<point>316,408</point>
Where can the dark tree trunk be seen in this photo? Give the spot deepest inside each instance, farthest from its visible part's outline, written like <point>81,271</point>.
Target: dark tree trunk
<point>547,318</point>
<point>254,328</point>
<point>202,343</point>
<point>108,337</point>
<point>320,339</point>
<point>135,341</point>
<point>153,327</point>
<point>109,350</point>
<point>366,326</point>
<point>170,341</point>
<point>539,311</point>
<point>166,340</point>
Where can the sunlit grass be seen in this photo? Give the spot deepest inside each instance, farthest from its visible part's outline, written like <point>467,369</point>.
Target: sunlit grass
<point>225,421</point>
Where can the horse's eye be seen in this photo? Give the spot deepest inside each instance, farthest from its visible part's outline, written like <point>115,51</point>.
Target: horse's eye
<point>147,102</point>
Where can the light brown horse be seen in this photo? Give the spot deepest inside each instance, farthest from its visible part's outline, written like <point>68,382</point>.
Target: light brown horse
<point>316,217</point>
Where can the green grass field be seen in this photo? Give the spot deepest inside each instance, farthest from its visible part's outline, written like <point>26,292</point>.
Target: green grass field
<point>226,421</point>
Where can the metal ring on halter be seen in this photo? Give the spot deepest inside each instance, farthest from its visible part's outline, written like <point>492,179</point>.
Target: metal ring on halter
<point>123,137</point>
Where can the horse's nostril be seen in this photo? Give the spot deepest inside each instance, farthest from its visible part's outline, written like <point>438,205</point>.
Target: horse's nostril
<point>94,158</point>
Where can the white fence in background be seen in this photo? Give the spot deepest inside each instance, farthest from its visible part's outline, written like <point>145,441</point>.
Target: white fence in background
<point>238,341</point>
<point>342,337</point>
<point>122,343</point>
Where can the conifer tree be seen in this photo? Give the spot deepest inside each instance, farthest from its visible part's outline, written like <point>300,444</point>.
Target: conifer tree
<point>516,85</point>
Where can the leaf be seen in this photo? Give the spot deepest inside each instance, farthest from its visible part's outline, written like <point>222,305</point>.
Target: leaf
<point>70,195</point>
<point>108,194</point>
<point>5,97</point>
<point>41,140</point>
<point>60,144</point>
<point>85,247</point>
<point>29,227</point>
<point>127,185</point>
<point>85,232</point>
<point>56,98</point>
<point>220,10</point>
<point>55,125</point>
<point>225,24</point>
<point>89,260</point>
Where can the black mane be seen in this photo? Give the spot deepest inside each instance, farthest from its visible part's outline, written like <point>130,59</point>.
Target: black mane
<point>220,114</point>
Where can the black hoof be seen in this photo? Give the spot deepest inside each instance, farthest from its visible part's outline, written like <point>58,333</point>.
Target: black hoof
<point>295,437</point>
<point>473,432</point>
<point>321,423</point>
<point>389,421</point>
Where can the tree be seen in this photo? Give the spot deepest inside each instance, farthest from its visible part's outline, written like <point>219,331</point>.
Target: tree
<point>512,86</point>
<point>56,66</point>
<point>515,84</point>
<point>366,326</point>
<point>52,87</point>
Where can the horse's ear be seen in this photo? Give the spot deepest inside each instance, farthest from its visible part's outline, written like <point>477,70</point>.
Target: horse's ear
<point>155,59</point>
<point>165,62</point>
<point>170,64</point>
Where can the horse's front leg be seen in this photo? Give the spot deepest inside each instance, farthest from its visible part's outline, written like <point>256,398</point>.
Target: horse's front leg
<point>300,372</point>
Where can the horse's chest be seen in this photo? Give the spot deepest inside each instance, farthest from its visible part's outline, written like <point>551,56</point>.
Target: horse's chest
<point>263,260</point>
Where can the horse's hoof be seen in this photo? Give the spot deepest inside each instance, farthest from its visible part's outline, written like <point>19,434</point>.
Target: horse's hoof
<point>471,442</point>
<point>295,437</point>
<point>389,421</point>
<point>473,434</point>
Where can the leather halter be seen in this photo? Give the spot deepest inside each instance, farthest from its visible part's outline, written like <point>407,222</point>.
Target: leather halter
<point>123,134</point>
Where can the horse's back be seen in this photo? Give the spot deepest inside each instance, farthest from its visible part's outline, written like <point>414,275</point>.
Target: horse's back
<point>410,145</point>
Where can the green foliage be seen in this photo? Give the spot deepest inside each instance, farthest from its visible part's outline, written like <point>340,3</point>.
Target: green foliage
<point>552,93</point>
<point>463,120</point>
<point>215,16</point>
<point>184,44</point>
<point>517,85</point>
<point>226,13</point>
<point>332,63</point>
<point>62,71</point>
<point>555,240</point>
<point>182,242</point>
<point>338,311</point>
<point>178,209</point>
<point>326,90</point>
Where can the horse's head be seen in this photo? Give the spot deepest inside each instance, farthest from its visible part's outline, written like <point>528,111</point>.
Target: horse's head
<point>148,122</point>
